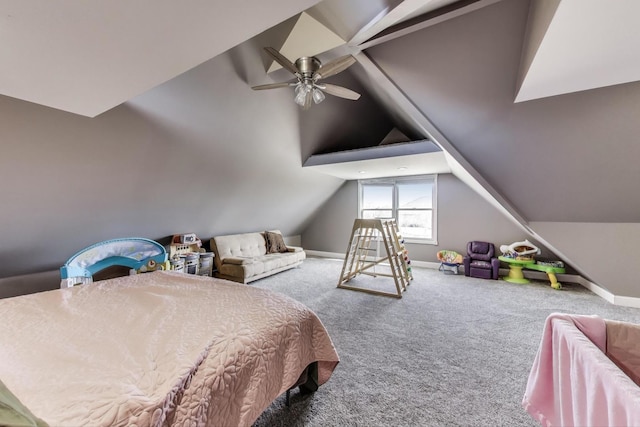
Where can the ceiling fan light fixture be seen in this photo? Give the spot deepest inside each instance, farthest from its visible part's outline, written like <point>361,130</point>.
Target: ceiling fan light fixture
<point>308,70</point>
<point>318,96</point>
<point>301,94</point>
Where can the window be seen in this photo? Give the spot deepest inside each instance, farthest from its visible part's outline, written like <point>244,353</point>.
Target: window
<point>410,200</point>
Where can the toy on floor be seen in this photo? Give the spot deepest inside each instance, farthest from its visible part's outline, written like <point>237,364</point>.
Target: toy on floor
<point>187,255</point>
<point>405,255</point>
<point>520,250</point>
<point>551,268</point>
<point>519,255</point>
<point>516,265</point>
<point>449,261</point>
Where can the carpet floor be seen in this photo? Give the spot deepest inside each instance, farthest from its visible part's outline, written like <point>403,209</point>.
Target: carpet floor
<point>454,351</point>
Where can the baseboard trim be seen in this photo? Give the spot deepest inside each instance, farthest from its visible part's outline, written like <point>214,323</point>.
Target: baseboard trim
<point>47,280</point>
<point>603,293</point>
<point>623,301</point>
<point>606,295</point>
<point>425,264</point>
<point>633,302</point>
<point>322,254</point>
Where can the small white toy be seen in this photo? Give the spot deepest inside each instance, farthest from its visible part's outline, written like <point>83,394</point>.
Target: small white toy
<point>519,249</point>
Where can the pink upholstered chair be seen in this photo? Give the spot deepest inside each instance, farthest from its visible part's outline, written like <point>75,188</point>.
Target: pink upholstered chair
<point>481,260</point>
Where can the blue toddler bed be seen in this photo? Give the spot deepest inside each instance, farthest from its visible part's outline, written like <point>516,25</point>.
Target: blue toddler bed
<point>139,254</point>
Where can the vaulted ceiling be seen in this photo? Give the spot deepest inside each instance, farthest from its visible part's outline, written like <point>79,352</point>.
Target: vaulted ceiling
<point>87,58</point>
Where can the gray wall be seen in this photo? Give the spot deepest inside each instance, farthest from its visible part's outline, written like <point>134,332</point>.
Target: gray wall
<point>603,253</point>
<point>462,216</point>
<point>327,130</point>
<point>331,226</point>
<point>201,153</point>
<point>568,159</point>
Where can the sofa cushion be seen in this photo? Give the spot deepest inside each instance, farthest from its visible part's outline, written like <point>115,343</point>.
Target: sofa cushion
<point>275,242</point>
<point>262,264</point>
<point>242,271</point>
<point>277,261</point>
<point>239,261</point>
<point>240,245</point>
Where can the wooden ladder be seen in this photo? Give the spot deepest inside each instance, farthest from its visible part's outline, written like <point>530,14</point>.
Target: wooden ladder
<point>398,261</point>
<point>359,257</point>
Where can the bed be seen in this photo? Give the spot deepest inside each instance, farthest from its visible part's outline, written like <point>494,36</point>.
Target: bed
<point>586,372</point>
<point>154,349</point>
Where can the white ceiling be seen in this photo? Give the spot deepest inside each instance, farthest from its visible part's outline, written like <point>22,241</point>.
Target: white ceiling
<point>584,45</point>
<point>88,57</point>
<point>407,165</point>
<point>393,159</point>
<point>307,38</point>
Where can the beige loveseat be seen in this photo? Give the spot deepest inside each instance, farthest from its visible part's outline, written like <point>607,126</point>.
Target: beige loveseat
<point>244,257</point>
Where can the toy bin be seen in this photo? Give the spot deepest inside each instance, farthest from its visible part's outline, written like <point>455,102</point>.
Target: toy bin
<point>191,262</point>
<point>206,264</point>
<point>177,264</point>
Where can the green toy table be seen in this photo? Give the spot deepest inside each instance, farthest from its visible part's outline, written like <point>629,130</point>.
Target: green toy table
<point>515,271</point>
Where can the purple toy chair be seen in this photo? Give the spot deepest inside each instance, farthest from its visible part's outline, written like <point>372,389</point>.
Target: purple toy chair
<point>481,260</point>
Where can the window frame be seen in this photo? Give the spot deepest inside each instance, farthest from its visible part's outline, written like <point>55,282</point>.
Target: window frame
<point>394,181</point>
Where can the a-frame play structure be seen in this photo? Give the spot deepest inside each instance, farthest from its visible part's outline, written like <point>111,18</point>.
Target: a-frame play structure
<point>362,256</point>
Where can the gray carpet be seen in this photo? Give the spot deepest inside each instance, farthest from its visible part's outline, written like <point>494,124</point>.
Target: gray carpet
<point>453,351</point>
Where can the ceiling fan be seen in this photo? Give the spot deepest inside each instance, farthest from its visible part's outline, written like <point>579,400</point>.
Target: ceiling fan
<point>308,71</point>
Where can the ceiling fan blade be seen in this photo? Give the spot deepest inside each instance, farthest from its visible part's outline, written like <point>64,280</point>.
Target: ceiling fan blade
<point>334,67</point>
<point>273,86</point>
<point>339,91</point>
<point>281,59</point>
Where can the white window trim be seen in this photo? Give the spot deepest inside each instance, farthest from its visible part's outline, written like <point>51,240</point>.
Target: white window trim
<point>434,202</point>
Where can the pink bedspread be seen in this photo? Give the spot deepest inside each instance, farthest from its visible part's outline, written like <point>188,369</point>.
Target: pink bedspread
<point>157,349</point>
<point>573,382</point>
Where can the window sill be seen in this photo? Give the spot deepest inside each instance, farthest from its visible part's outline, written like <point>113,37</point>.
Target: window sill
<point>420,241</point>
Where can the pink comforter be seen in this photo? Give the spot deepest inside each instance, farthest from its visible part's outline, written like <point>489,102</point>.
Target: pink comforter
<point>157,349</point>
<point>574,383</point>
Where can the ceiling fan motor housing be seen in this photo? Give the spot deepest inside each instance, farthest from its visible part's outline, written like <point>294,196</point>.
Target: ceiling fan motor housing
<point>307,65</point>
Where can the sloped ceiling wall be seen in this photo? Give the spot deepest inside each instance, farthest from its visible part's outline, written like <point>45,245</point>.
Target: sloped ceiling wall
<point>201,153</point>
<point>88,57</point>
<point>569,158</point>
<point>324,128</point>
<point>547,156</point>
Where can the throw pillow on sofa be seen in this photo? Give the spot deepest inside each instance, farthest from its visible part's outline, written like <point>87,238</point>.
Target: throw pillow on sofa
<point>275,242</point>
